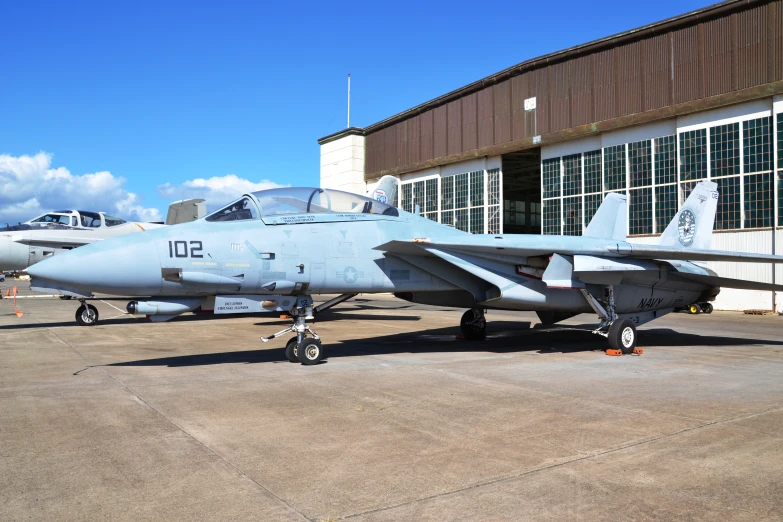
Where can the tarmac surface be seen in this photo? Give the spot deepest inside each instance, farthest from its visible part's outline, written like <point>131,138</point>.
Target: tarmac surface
<point>195,419</point>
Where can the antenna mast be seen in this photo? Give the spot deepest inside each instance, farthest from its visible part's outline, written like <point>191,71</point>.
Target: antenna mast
<point>349,101</point>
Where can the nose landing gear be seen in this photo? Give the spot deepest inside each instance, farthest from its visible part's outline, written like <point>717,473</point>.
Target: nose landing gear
<point>620,333</point>
<point>86,314</point>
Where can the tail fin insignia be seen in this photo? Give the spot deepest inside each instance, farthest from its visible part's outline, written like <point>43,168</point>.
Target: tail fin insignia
<point>692,226</point>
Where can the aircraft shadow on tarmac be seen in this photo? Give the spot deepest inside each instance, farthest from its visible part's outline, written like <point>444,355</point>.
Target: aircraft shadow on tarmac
<point>508,337</point>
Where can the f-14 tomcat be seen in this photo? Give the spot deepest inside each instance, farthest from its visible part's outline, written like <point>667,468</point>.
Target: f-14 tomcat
<point>274,249</point>
<point>52,233</point>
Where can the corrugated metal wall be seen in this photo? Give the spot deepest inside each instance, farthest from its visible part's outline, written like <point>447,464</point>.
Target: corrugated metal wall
<point>733,52</point>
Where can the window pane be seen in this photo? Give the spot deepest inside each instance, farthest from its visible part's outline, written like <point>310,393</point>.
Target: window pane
<point>407,197</point>
<point>592,202</point>
<point>592,171</point>
<point>780,199</point>
<point>665,206</point>
<point>693,154</point>
<point>447,193</point>
<point>418,196</point>
<point>461,220</point>
<point>639,155</point>
<point>551,216</point>
<point>493,187</point>
<point>461,191</point>
<point>758,200</point>
<point>640,211</point>
<point>477,188</point>
<point>572,175</point>
<point>614,167</point>
<point>572,216</point>
<point>780,140</point>
<point>728,215</point>
<point>477,220</point>
<point>685,190</point>
<point>493,219</point>
<point>550,177</point>
<point>665,160</point>
<point>432,195</point>
<point>724,150</point>
<point>447,218</point>
<point>756,144</point>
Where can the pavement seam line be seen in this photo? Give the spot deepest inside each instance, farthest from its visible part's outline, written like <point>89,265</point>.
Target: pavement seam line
<point>167,419</point>
<point>559,464</point>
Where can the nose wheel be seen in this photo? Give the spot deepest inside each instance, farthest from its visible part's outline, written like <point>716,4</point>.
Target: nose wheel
<point>303,349</point>
<point>87,315</point>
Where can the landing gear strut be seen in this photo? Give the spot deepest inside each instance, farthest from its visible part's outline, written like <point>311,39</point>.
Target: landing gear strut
<point>473,324</point>
<point>620,333</point>
<point>304,349</point>
<point>86,314</point>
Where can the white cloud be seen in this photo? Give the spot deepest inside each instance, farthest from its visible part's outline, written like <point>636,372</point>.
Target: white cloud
<point>217,190</point>
<point>30,186</point>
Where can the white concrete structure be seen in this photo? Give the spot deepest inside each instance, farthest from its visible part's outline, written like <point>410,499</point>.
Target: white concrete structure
<point>342,161</point>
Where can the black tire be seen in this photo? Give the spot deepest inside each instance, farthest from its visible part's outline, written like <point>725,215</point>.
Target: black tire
<point>87,315</point>
<point>622,336</point>
<point>290,350</point>
<point>310,351</point>
<point>473,325</point>
<point>694,309</point>
<point>707,308</point>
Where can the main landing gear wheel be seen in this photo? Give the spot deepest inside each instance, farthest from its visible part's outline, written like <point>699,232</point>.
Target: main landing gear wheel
<point>706,308</point>
<point>309,351</point>
<point>473,325</point>
<point>622,336</point>
<point>87,315</point>
<point>694,309</point>
<point>291,350</point>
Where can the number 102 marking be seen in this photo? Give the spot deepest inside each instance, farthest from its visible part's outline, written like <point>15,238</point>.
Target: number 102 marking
<point>180,249</point>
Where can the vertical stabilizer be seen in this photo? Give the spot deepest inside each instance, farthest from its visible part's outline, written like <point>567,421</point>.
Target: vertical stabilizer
<point>692,225</point>
<point>610,218</point>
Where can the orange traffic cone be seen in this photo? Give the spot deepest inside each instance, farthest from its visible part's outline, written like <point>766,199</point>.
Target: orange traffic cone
<point>19,313</point>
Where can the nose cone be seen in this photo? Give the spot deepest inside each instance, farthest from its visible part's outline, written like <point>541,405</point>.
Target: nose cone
<point>123,265</point>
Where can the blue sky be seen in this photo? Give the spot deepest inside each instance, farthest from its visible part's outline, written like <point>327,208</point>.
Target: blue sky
<point>169,92</point>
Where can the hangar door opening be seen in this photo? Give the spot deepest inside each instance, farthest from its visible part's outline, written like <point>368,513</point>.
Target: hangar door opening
<point>522,192</point>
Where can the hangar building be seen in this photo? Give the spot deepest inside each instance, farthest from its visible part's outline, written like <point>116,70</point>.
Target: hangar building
<point>648,113</point>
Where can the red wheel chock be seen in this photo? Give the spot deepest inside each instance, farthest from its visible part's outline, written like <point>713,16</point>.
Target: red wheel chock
<point>615,353</point>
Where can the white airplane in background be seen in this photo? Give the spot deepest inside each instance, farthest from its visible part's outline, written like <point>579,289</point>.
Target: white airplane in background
<point>28,243</point>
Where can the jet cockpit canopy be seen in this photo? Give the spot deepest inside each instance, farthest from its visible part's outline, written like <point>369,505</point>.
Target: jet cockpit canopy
<point>299,200</point>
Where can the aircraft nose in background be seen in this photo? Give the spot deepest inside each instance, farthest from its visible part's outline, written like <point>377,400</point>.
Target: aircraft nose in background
<point>13,255</point>
<point>119,265</point>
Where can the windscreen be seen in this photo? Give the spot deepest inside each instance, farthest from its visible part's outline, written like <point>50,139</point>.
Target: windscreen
<point>90,219</point>
<point>53,218</point>
<point>112,221</point>
<point>240,210</point>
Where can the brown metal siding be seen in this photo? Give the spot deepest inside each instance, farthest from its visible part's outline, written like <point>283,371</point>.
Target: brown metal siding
<point>776,40</point>
<point>427,137</point>
<point>656,72</point>
<point>485,125</point>
<point>629,84</point>
<point>711,56</point>
<point>414,140</point>
<point>603,74</point>
<point>520,91</point>
<point>454,141</point>
<point>501,99</point>
<point>469,123</point>
<point>685,55</point>
<point>752,47</point>
<point>717,56</point>
<point>581,91</point>
<point>559,87</point>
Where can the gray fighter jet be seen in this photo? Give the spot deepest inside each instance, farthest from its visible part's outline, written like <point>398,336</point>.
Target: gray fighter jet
<point>274,249</point>
<point>55,232</point>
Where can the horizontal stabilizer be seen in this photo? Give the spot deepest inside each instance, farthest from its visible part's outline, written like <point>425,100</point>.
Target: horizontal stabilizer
<point>609,220</point>
<point>681,254</point>
<point>727,282</point>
